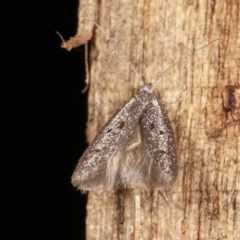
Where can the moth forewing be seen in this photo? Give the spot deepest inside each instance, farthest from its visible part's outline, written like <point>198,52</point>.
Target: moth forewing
<point>159,142</point>
<point>91,169</point>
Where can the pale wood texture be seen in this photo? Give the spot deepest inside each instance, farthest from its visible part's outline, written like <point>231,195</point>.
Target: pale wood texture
<point>202,99</point>
<point>86,19</point>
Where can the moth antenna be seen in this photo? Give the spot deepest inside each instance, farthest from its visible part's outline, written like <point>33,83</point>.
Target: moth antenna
<point>133,67</point>
<point>140,76</point>
<point>184,58</point>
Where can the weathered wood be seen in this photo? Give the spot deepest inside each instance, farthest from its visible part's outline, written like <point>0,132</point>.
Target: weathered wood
<point>202,100</point>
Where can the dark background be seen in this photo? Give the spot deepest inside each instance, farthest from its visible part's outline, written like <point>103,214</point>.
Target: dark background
<point>70,111</point>
<point>43,118</point>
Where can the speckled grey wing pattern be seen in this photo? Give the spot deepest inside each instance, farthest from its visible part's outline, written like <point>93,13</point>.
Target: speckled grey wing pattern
<point>135,148</point>
<point>98,166</point>
<point>159,146</point>
<point>149,160</point>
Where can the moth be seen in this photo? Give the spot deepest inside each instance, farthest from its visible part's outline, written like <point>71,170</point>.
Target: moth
<point>136,148</point>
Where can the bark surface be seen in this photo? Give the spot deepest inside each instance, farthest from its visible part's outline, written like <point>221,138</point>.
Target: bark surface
<point>201,95</point>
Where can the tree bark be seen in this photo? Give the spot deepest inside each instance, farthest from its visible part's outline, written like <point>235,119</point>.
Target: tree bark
<point>201,95</point>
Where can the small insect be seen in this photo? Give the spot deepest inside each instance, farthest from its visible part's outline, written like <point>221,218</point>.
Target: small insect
<point>135,148</point>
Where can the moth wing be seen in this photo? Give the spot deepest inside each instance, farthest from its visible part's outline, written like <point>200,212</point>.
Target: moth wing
<point>150,156</point>
<point>99,165</point>
<point>132,164</point>
<point>159,145</point>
